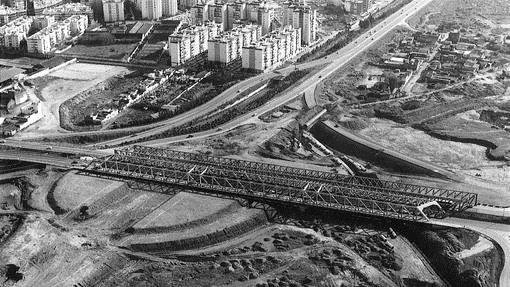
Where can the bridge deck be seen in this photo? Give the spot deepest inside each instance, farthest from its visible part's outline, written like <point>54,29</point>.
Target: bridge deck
<point>289,185</point>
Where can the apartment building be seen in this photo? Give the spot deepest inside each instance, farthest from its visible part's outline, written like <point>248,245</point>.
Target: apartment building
<point>113,10</point>
<point>63,12</point>
<point>231,15</point>
<point>12,33</point>
<point>189,42</point>
<point>236,12</point>
<point>199,14</point>
<point>151,9</point>
<point>41,22</point>
<point>301,16</point>
<point>49,37</point>
<point>169,7</point>
<point>217,13</point>
<point>228,46</point>
<point>357,7</point>
<point>272,49</point>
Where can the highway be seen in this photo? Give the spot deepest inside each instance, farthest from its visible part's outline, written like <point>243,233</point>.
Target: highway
<point>333,61</point>
<point>336,61</point>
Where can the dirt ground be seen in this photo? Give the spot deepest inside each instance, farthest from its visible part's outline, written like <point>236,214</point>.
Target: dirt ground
<point>113,51</point>
<point>98,247</point>
<point>74,190</point>
<point>61,85</point>
<point>475,14</point>
<point>183,208</point>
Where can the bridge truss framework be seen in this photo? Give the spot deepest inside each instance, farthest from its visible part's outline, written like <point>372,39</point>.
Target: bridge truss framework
<point>287,185</point>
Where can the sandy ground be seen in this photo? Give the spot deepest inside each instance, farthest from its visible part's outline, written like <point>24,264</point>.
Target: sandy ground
<point>62,85</point>
<point>183,208</point>
<point>411,142</point>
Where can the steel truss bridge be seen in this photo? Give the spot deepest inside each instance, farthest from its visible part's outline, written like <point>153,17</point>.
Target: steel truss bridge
<point>269,183</point>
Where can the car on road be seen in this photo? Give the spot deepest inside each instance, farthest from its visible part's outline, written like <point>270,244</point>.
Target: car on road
<point>2,141</point>
<point>49,147</point>
<point>189,136</point>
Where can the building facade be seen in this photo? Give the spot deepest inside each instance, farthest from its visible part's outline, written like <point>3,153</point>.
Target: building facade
<point>113,10</point>
<point>272,49</point>
<point>44,41</point>
<point>63,12</point>
<point>229,46</point>
<point>14,32</point>
<point>189,42</point>
<point>151,9</point>
<point>169,7</point>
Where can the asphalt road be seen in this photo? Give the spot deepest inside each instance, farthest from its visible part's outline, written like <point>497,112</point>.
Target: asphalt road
<point>336,61</point>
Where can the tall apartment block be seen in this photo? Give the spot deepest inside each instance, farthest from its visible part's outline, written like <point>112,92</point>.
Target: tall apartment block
<point>41,22</point>
<point>113,10</point>
<point>217,13</point>
<point>229,46</point>
<point>236,13</point>
<point>189,42</point>
<point>303,17</point>
<point>151,9</point>
<point>169,7</point>
<point>272,49</point>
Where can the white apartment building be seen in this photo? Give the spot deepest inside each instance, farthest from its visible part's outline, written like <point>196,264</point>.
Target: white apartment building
<point>45,40</point>
<point>189,42</point>
<point>272,49</point>
<point>63,12</point>
<point>304,17</point>
<point>113,10</point>
<point>78,24</point>
<point>169,7</point>
<point>228,47</point>
<point>12,33</point>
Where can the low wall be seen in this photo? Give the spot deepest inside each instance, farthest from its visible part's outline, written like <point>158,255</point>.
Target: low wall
<point>344,141</point>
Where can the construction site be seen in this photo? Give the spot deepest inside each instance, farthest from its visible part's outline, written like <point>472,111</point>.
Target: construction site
<point>377,158</point>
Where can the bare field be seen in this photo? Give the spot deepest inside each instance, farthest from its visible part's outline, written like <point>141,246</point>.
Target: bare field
<point>184,208</point>
<point>113,51</point>
<point>414,143</point>
<point>74,190</point>
<point>64,84</point>
<point>475,14</point>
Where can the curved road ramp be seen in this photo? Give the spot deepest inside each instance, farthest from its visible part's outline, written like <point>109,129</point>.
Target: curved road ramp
<point>282,184</point>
